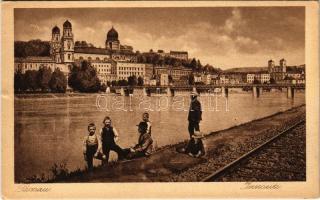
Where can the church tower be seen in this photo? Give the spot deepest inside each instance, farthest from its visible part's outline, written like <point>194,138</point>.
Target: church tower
<point>55,45</point>
<point>270,66</point>
<point>67,43</point>
<point>112,42</point>
<point>283,65</point>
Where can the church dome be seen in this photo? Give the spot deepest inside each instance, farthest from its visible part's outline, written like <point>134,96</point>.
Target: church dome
<point>112,35</point>
<point>56,30</point>
<point>67,24</point>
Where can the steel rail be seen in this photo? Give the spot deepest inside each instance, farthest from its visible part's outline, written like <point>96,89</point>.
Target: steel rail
<point>223,169</point>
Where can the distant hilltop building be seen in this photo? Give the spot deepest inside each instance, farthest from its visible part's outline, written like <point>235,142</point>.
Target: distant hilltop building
<point>183,55</point>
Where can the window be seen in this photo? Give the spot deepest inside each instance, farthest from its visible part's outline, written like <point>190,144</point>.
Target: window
<point>69,56</point>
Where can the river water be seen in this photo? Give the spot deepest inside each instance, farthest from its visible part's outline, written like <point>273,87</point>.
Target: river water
<point>49,131</point>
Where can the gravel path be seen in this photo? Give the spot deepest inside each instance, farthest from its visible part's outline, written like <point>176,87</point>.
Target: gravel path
<point>281,160</point>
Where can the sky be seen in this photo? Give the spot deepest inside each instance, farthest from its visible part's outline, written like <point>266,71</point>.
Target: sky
<point>224,37</point>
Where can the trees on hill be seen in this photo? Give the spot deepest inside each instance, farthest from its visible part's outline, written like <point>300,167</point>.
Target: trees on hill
<point>31,48</point>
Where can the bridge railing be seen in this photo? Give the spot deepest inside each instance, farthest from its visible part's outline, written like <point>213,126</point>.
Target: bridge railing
<point>240,85</point>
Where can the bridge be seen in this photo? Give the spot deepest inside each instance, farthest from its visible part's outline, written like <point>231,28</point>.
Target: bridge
<point>171,90</point>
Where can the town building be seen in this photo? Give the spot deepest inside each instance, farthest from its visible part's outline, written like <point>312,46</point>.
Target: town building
<point>260,77</point>
<point>125,69</point>
<point>177,72</point>
<point>182,55</point>
<point>277,73</point>
<point>164,79</point>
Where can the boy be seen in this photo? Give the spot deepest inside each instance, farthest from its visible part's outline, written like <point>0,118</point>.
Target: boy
<point>144,146</point>
<point>145,118</point>
<point>107,140</point>
<point>90,145</point>
<point>195,146</point>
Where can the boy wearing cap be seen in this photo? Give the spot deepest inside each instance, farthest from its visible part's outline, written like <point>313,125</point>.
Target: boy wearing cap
<point>195,146</point>
<point>194,116</point>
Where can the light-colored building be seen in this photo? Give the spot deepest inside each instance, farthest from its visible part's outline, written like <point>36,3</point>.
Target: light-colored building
<point>33,63</point>
<point>265,78</point>
<point>206,79</point>
<point>261,77</point>
<point>182,55</point>
<point>164,79</point>
<point>294,75</point>
<point>126,69</point>
<point>197,78</point>
<point>250,78</point>
<point>177,72</point>
<point>224,79</point>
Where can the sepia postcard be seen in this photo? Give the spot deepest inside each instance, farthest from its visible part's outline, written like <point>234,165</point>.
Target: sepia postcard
<point>139,99</point>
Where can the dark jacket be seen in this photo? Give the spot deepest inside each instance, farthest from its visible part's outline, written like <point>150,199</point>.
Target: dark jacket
<point>144,144</point>
<point>195,111</point>
<point>194,149</point>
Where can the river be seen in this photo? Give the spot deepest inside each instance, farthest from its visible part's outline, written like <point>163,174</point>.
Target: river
<point>51,130</point>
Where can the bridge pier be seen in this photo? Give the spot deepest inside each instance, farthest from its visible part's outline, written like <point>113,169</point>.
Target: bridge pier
<point>260,90</point>
<point>224,91</point>
<point>255,91</point>
<point>169,93</point>
<point>144,92</point>
<point>290,92</point>
<point>122,92</point>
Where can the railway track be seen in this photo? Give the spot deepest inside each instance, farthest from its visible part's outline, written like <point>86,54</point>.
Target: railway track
<point>224,173</point>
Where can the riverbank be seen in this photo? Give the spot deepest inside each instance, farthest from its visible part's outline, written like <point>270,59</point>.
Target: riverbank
<point>168,165</point>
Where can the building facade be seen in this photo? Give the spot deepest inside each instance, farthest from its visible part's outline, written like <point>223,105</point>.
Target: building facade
<point>125,69</point>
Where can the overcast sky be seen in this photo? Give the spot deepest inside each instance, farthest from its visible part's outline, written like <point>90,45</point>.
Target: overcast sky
<point>222,37</point>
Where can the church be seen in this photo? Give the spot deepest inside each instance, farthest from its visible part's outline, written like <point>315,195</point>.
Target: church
<point>64,52</point>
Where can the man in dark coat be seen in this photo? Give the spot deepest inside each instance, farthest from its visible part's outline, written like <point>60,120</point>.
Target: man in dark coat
<point>194,115</point>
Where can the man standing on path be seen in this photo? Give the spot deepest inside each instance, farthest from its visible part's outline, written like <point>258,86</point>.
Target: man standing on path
<point>194,115</point>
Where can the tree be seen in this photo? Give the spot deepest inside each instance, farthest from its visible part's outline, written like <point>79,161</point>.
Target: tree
<point>193,64</point>
<point>123,82</point>
<point>114,83</point>
<point>31,48</point>
<point>256,81</point>
<point>132,80</point>
<point>140,81</point>
<point>19,82</point>
<point>199,66</point>
<point>170,79</point>
<point>58,81</point>
<point>103,87</point>
<point>84,78</point>
<point>44,76</point>
<point>31,80</point>
<point>191,79</point>
<point>272,81</point>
